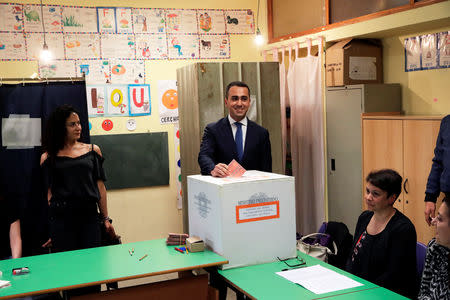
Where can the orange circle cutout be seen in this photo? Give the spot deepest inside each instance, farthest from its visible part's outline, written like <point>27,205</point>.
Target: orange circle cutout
<point>170,99</point>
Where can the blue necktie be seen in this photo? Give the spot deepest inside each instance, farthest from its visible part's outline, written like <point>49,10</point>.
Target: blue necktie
<point>238,141</point>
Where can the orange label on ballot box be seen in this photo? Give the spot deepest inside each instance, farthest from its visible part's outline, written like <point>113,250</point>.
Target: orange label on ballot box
<point>257,211</point>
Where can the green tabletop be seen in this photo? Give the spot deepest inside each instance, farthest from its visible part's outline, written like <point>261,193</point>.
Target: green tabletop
<point>261,282</point>
<point>60,271</point>
<point>378,293</point>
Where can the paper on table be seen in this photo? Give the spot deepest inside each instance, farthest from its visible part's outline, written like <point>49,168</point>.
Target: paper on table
<point>4,283</point>
<point>319,280</point>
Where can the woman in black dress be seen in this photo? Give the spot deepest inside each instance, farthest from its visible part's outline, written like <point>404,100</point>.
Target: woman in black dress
<point>74,179</point>
<point>384,246</point>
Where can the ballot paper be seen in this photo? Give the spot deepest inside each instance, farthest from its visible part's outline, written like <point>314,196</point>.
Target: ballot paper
<point>318,279</point>
<point>4,283</point>
<point>235,169</point>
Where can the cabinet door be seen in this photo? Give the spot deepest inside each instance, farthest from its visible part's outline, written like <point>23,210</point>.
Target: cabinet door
<point>382,148</point>
<point>419,142</point>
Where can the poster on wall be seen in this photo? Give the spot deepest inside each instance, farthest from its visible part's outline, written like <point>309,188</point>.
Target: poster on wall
<point>239,21</point>
<point>11,17</point>
<point>181,20</point>
<point>124,23</point>
<point>176,145</point>
<point>151,46</point>
<point>444,49</point>
<point>120,46</point>
<point>214,46</point>
<point>428,44</point>
<point>106,19</point>
<point>412,54</point>
<point>79,19</point>
<point>211,21</point>
<point>12,46</point>
<point>95,71</point>
<point>35,42</point>
<point>33,22</point>
<point>95,95</point>
<point>127,71</point>
<point>82,46</point>
<point>57,68</point>
<point>149,20</point>
<point>117,100</point>
<point>139,95</point>
<point>183,46</point>
<point>168,101</point>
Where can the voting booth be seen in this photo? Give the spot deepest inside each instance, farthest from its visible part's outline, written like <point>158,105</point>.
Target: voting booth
<point>248,220</point>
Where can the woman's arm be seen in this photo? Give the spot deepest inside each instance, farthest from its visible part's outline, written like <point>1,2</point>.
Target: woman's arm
<point>15,239</point>
<point>103,203</point>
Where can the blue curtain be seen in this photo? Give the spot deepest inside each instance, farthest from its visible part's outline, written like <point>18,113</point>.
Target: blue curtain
<point>20,173</point>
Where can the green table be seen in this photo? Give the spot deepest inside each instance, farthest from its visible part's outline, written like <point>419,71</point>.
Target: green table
<point>261,282</point>
<point>67,270</point>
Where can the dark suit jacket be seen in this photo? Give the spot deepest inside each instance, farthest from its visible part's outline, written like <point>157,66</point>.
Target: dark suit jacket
<point>218,146</point>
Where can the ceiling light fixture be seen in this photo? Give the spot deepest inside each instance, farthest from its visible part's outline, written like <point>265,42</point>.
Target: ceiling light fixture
<point>259,39</point>
<point>46,55</point>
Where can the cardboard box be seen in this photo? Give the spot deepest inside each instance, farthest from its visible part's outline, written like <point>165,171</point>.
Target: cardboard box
<point>195,244</point>
<point>248,220</point>
<point>354,61</point>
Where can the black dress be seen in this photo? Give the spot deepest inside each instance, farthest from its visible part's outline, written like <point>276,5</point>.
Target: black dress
<point>73,210</point>
<point>387,259</point>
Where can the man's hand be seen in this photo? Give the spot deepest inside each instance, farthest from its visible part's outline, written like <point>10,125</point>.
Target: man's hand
<point>430,208</point>
<point>110,229</point>
<point>47,244</point>
<point>220,170</point>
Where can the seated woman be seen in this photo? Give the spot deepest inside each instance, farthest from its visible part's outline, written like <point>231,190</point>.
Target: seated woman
<point>384,245</point>
<point>435,277</point>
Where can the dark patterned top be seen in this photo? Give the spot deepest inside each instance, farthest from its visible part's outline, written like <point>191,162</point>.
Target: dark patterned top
<point>435,277</point>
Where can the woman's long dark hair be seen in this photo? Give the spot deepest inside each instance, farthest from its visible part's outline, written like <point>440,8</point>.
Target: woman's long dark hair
<point>55,130</point>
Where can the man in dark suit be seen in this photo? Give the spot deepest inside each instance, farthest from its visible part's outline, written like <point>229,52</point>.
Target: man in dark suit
<point>235,137</point>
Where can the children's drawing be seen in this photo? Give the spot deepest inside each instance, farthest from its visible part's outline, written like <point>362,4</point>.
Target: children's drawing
<point>176,44</point>
<point>215,46</point>
<point>12,46</point>
<point>79,19</point>
<point>124,21</point>
<point>183,46</point>
<point>151,46</point>
<point>412,53</point>
<point>95,95</point>
<point>51,19</point>
<point>127,71</point>
<point>444,49</point>
<point>82,46</point>
<point>11,17</point>
<point>107,125</point>
<point>117,99</point>
<point>121,46</point>
<point>57,68</point>
<point>428,45</point>
<point>54,42</point>
<point>211,21</point>
<point>139,95</point>
<point>240,21</point>
<point>168,101</point>
<point>149,20</point>
<point>95,71</point>
<point>181,21</point>
<point>106,19</point>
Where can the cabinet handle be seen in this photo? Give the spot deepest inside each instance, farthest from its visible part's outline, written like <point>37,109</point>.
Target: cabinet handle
<point>404,186</point>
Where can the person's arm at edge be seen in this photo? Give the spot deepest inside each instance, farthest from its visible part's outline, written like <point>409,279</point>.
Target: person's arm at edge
<point>103,203</point>
<point>15,239</point>
<point>433,183</point>
<point>44,157</point>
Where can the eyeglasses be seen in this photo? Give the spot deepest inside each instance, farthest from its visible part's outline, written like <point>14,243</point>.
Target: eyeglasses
<point>296,263</point>
<point>73,124</point>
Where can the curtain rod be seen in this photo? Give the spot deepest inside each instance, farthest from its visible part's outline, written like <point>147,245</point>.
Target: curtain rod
<point>53,79</point>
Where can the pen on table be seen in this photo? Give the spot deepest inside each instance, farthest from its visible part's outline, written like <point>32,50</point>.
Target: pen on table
<point>187,252</point>
<point>143,257</point>
<point>179,250</point>
<point>131,251</point>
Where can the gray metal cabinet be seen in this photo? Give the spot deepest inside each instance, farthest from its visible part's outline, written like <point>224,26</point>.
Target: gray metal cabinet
<point>201,89</point>
<point>344,106</point>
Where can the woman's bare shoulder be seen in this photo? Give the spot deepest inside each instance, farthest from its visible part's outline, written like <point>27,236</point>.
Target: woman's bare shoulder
<point>44,156</point>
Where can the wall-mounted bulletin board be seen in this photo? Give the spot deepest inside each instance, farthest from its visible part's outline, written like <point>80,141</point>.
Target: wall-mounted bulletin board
<point>134,160</point>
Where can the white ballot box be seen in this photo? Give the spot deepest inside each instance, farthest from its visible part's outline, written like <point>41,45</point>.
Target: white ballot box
<point>248,220</point>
